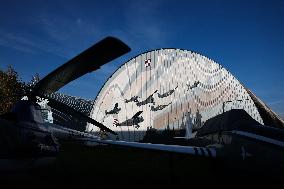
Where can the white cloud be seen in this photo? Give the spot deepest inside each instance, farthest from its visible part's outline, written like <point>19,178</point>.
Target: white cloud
<point>16,42</point>
<point>68,34</point>
<point>30,44</point>
<point>277,102</point>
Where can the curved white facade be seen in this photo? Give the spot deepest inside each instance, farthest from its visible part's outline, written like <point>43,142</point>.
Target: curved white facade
<point>173,88</point>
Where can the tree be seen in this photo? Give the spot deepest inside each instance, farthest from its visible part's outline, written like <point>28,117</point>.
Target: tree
<point>11,88</point>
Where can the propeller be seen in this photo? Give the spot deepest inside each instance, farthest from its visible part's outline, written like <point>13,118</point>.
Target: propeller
<point>89,60</point>
<point>76,114</point>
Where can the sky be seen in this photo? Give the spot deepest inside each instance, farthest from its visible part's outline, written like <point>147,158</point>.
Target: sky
<point>246,37</point>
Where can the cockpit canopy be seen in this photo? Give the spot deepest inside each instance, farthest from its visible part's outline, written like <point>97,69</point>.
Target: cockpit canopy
<point>27,111</point>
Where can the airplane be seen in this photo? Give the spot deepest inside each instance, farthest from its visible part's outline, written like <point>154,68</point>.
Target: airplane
<point>196,83</point>
<point>233,136</point>
<point>167,93</point>
<point>25,134</point>
<point>115,110</point>
<point>132,99</point>
<point>132,121</point>
<point>160,107</point>
<point>149,99</point>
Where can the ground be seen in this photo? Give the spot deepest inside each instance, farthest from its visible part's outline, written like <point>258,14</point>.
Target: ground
<point>80,167</point>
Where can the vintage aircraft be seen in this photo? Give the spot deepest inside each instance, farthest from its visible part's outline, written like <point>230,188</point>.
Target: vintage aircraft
<point>23,131</point>
<point>149,99</point>
<point>132,99</point>
<point>115,110</point>
<point>233,138</point>
<point>132,121</point>
<point>233,135</point>
<point>195,84</point>
<point>166,94</point>
<point>160,107</point>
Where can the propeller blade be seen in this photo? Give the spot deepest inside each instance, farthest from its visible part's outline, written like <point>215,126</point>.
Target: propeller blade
<point>89,60</point>
<point>76,114</point>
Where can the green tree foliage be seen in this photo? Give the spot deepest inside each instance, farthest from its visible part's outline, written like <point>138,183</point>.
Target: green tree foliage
<point>11,88</point>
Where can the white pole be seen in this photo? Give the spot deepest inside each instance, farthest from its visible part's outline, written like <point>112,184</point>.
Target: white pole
<point>188,127</point>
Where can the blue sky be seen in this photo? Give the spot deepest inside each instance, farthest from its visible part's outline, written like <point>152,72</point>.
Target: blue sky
<point>246,37</point>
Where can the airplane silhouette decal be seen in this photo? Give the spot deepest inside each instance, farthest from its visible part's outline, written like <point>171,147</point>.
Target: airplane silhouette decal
<point>132,99</point>
<point>149,99</point>
<point>160,107</point>
<point>132,121</point>
<point>196,83</point>
<point>115,110</point>
<point>167,93</point>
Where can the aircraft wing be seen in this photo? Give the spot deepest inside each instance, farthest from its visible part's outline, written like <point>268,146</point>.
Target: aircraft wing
<point>192,150</point>
<point>137,114</point>
<point>61,132</point>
